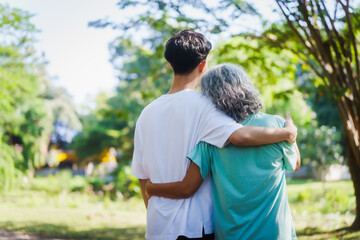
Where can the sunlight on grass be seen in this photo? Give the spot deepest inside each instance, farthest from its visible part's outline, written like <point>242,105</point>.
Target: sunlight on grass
<point>75,216</point>
<point>319,209</point>
<point>317,214</point>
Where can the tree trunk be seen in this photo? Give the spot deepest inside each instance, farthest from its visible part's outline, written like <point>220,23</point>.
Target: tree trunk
<point>354,169</point>
<point>351,132</point>
<point>338,65</point>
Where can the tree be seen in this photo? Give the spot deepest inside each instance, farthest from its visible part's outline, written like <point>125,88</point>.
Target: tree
<point>22,114</point>
<point>28,104</point>
<point>328,43</point>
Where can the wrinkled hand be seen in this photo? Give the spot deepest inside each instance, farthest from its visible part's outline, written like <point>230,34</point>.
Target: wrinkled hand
<point>289,124</point>
<point>146,186</point>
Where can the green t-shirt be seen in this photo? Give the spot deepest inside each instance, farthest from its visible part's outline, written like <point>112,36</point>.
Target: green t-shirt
<point>249,185</point>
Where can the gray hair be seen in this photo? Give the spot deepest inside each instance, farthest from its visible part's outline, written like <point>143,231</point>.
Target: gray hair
<point>231,90</point>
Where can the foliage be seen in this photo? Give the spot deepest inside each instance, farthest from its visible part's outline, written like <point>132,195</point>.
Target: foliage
<point>158,18</point>
<point>8,173</point>
<point>123,184</point>
<point>27,98</point>
<point>126,183</point>
<point>320,147</point>
<point>22,114</point>
<point>58,183</point>
<point>101,130</point>
<point>304,195</point>
<point>335,201</point>
<point>273,73</point>
<point>310,197</point>
<point>96,183</point>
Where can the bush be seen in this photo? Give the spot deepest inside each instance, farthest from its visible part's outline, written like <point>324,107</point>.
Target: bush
<point>126,183</point>
<point>62,181</point>
<point>9,174</point>
<point>320,147</point>
<point>96,183</point>
<point>335,201</point>
<point>304,195</point>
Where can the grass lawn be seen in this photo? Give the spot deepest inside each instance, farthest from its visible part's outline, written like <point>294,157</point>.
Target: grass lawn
<point>73,216</point>
<point>322,211</point>
<point>317,214</point>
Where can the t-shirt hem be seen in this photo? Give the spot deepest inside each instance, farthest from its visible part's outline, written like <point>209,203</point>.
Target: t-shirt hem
<point>139,176</point>
<point>174,236</point>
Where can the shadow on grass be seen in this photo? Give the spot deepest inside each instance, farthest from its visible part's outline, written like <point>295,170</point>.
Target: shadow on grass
<point>65,232</point>
<point>341,233</point>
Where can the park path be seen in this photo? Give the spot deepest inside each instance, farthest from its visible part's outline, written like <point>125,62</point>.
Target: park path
<point>10,235</point>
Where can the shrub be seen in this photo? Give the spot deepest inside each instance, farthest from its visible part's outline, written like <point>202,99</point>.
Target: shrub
<point>304,195</point>
<point>335,201</point>
<point>126,183</point>
<point>62,181</point>
<point>320,147</point>
<point>96,183</point>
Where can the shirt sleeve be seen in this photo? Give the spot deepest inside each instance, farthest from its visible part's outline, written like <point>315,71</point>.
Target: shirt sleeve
<point>201,156</point>
<point>289,156</point>
<point>137,164</point>
<point>216,127</point>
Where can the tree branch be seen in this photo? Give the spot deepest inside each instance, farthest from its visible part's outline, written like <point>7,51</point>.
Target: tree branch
<point>310,48</point>
<point>330,33</point>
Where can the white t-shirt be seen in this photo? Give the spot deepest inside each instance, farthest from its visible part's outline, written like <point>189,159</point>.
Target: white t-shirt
<point>166,131</point>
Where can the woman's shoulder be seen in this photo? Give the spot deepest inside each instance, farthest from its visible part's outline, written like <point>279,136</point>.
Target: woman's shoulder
<point>267,120</point>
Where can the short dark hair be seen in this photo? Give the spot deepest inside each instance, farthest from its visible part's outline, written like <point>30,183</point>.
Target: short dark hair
<point>186,50</point>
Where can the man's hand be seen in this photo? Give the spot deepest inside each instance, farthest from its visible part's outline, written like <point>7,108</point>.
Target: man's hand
<point>142,183</point>
<point>177,190</point>
<point>289,124</point>
<point>146,188</point>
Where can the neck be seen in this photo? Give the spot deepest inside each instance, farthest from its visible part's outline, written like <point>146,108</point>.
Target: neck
<point>182,82</point>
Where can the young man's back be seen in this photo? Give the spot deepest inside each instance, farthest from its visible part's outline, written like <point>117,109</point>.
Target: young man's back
<point>166,131</point>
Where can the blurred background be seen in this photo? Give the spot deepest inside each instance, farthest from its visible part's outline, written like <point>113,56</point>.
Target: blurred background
<point>75,75</point>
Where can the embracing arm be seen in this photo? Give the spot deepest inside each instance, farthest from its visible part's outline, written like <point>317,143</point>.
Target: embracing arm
<point>177,190</point>
<point>252,136</point>
<point>145,196</point>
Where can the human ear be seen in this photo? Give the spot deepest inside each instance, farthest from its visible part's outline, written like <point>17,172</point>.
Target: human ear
<point>202,66</point>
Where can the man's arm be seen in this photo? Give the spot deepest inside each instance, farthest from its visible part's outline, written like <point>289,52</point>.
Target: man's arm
<point>252,136</point>
<point>177,190</point>
<point>146,197</point>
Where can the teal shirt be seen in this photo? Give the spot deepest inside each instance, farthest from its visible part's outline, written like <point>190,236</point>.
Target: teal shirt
<point>249,185</point>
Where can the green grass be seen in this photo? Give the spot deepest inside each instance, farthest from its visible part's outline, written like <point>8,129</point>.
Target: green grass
<point>318,213</point>
<point>322,211</point>
<point>75,216</point>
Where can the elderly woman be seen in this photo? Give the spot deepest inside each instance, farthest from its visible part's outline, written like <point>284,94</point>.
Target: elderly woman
<point>248,183</point>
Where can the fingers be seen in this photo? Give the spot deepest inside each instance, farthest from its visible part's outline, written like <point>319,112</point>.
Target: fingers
<point>288,116</point>
<point>292,140</point>
<point>290,124</point>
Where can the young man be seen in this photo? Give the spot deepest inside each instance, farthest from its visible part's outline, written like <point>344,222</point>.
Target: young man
<point>171,126</point>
